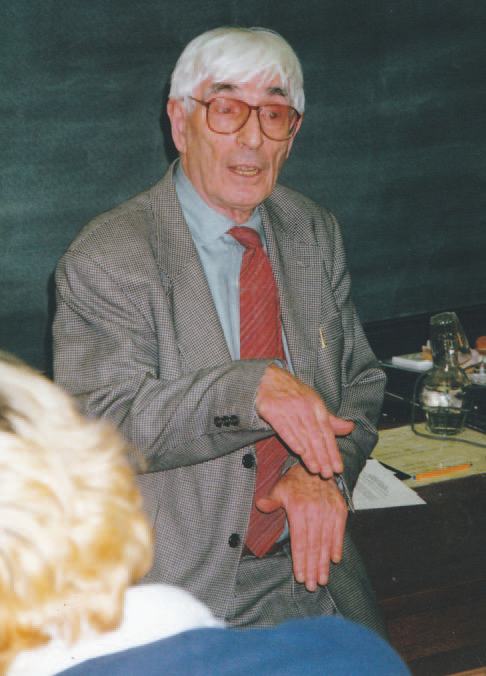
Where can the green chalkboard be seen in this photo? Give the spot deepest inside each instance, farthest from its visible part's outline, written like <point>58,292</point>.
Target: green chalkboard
<point>393,140</point>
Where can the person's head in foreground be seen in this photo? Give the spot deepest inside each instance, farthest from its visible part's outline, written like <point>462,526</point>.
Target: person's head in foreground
<point>235,104</point>
<point>73,538</point>
<point>72,532</point>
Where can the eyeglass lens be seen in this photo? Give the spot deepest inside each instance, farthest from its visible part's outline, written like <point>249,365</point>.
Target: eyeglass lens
<point>226,116</point>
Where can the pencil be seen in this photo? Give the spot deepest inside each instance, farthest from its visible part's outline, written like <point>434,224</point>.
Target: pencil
<point>443,471</point>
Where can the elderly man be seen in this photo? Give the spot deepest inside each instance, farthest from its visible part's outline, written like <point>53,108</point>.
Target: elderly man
<point>210,318</point>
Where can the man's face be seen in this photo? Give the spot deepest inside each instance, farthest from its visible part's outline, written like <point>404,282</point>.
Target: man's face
<point>233,173</point>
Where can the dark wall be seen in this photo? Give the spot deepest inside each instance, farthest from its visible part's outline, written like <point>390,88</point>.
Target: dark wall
<point>393,140</point>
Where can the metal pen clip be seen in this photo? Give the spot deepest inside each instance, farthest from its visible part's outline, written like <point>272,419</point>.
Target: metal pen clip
<point>323,342</point>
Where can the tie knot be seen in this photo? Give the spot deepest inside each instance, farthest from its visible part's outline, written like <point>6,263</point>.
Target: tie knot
<point>246,236</point>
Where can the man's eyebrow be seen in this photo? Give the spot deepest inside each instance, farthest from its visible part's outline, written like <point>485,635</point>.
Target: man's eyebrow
<point>278,91</point>
<point>221,87</point>
<point>217,87</point>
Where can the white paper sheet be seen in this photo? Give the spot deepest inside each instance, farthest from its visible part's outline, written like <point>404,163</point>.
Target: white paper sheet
<point>378,487</point>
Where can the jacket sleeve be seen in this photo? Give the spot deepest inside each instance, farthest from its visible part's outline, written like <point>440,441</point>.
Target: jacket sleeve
<point>116,353</point>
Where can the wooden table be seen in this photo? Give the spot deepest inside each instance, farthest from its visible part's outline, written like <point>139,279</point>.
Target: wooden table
<point>428,565</point>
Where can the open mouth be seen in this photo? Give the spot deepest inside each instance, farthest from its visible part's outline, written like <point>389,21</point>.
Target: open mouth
<point>244,170</point>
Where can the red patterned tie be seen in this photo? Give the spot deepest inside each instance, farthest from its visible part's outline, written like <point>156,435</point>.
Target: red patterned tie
<point>261,337</point>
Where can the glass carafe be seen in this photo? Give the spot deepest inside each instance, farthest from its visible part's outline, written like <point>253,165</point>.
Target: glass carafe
<point>446,396</point>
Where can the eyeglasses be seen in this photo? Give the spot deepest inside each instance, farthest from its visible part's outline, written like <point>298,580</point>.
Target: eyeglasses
<point>226,116</point>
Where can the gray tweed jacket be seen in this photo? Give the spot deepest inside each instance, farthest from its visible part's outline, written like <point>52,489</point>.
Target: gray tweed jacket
<point>137,339</point>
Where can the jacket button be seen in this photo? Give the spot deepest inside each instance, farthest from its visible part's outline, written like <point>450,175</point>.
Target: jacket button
<point>248,460</point>
<point>234,540</point>
<point>234,420</point>
<point>226,421</point>
<point>218,421</point>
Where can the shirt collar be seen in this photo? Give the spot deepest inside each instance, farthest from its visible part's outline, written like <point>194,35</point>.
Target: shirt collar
<point>205,224</point>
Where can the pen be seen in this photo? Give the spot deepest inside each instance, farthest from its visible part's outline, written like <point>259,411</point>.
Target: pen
<point>443,471</point>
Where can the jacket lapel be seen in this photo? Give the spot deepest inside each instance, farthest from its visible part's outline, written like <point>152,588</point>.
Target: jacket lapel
<point>298,273</point>
<point>199,335</point>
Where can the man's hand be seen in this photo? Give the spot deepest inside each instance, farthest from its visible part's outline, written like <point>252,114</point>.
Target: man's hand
<point>300,418</point>
<point>317,513</point>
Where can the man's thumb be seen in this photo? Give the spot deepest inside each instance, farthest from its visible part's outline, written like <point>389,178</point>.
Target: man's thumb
<point>341,427</point>
<point>267,505</point>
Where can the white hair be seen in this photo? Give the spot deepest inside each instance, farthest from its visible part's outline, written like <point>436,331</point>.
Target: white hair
<point>73,534</point>
<point>238,55</point>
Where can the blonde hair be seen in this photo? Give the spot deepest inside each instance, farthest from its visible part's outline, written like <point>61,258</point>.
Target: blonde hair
<point>72,532</point>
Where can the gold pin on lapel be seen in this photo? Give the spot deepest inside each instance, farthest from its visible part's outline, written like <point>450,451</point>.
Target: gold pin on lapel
<point>323,342</point>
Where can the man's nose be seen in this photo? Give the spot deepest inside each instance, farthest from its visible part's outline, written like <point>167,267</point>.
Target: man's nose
<point>251,133</point>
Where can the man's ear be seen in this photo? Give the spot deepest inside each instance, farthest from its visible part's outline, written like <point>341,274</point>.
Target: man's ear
<point>177,115</point>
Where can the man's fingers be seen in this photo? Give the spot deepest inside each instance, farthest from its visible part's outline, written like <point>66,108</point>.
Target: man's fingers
<point>332,463</point>
<point>310,435</point>
<point>330,427</point>
<point>339,427</point>
<point>333,549</point>
<point>338,535</point>
<point>304,437</point>
<point>323,569</point>
<point>298,538</point>
<point>317,555</point>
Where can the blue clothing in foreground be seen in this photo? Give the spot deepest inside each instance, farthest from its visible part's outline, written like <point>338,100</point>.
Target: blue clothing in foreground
<point>318,646</point>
